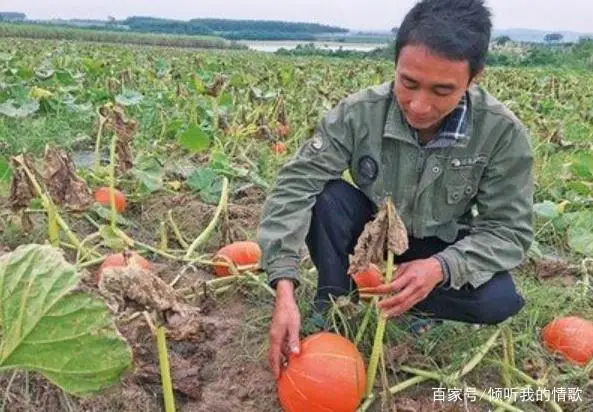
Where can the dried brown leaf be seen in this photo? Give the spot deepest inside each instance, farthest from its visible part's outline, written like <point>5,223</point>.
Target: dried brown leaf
<point>281,111</point>
<point>65,187</point>
<point>119,285</point>
<point>125,129</point>
<point>385,232</point>
<point>215,88</point>
<point>22,190</point>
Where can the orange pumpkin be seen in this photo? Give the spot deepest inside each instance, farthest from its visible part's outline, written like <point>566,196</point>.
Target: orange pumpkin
<point>279,148</point>
<point>241,253</point>
<point>370,278</point>
<point>572,336</point>
<point>103,196</point>
<point>123,260</point>
<point>328,375</point>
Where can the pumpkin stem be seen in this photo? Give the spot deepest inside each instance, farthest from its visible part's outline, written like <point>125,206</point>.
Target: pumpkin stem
<point>378,344</point>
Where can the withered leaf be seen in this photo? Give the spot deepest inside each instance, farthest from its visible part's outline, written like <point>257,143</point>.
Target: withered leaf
<point>120,285</point>
<point>385,232</point>
<point>125,129</point>
<point>65,187</point>
<point>22,190</point>
<point>216,86</point>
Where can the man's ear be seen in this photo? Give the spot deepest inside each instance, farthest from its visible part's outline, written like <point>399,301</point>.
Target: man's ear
<point>477,77</point>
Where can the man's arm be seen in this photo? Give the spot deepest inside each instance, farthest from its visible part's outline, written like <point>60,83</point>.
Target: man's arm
<point>503,230</point>
<point>286,213</point>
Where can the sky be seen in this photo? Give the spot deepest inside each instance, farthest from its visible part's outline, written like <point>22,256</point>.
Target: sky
<point>550,15</point>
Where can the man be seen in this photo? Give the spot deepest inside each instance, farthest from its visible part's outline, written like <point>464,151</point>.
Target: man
<point>442,148</point>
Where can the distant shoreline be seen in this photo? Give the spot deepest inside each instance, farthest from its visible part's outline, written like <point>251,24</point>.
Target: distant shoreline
<point>274,45</point>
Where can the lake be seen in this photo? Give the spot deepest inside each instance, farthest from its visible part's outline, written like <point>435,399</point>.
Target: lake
<point>272,46</point>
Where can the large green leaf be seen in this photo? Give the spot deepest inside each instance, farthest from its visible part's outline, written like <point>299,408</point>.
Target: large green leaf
<point>46,326</point>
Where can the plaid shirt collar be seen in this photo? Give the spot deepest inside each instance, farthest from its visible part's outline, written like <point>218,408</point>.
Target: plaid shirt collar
<point>454,127</point>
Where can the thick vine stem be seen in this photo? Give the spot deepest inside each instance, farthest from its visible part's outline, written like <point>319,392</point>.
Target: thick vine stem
<point>165,370</point>
<point>112,160</point>
<point>176,230</point>
<point>102,121</point>
<point>222,204</point>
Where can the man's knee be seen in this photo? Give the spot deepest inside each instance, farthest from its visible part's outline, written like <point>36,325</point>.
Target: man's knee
<point>335,191</point>
<point>499,302</point>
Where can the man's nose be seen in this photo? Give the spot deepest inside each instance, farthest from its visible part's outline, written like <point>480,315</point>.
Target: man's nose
<point>420,106</point>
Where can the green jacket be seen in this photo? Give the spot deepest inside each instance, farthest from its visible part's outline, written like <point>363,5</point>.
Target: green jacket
<point>437,191</point>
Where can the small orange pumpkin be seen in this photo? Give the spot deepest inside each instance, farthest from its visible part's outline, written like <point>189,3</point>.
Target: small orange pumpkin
<point>241,253</point>
<point>103,196</point>
<point>123,260</point>
<point>279,148</point>
<point>370,278</point>
<point>327,375</point>
<point>572,336</point>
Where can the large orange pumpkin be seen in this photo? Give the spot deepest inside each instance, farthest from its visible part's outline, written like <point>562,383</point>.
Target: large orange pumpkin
<point>103,196</point>
<point>241,253</point>
<point>328,375</point>
<point>572,336</point>
<point>121,260</point>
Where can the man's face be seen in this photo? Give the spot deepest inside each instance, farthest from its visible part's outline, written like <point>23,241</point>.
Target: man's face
<point>428,87</point>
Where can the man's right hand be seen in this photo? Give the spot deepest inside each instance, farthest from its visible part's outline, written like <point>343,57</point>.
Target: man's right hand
<point>285,328</point>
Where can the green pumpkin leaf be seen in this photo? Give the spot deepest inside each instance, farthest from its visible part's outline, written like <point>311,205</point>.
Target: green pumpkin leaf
<point>46,326</point>
<point>580,240</point>
<point>13,109</point>
<point>206,183</point>
<point>194,139</point>
<point>111,239</point>
<point>129,98</point>
<point>547,210</point>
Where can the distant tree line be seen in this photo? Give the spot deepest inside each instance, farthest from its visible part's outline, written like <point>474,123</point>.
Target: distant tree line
<point>230,29</point>
<point>12,16</point>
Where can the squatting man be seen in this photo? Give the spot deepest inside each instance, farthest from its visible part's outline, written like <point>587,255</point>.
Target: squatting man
<point>440,146</point>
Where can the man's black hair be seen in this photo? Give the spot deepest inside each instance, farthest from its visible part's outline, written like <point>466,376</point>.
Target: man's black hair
<point>454,29</point>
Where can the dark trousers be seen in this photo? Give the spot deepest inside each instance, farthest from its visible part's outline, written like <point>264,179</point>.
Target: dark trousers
<point>339,217</point>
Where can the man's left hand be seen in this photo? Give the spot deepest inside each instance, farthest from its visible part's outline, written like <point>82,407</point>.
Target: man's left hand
<point>413,282</point>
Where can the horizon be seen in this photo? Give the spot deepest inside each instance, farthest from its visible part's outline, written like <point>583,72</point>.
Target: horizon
<point>550,16</point>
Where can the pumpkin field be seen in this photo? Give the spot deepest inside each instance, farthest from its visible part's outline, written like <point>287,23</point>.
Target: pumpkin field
<point>131,185</point>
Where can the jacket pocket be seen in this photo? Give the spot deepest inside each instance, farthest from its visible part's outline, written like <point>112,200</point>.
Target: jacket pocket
<point>457,193</point>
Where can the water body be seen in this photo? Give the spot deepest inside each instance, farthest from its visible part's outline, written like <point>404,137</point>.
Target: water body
<point>272,46</point>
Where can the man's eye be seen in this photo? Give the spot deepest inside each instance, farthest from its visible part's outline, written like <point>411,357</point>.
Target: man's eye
<point>440,91</point>
<point>409,84</point>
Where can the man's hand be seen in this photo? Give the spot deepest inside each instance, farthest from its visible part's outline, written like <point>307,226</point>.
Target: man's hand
<point>412,283</point>
<point>285,328</point>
